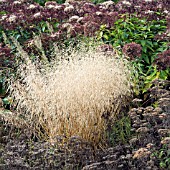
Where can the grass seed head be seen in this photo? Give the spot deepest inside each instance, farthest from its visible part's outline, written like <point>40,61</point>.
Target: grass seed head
<point>68,97</point>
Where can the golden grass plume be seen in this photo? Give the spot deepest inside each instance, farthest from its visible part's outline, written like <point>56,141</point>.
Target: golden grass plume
<point>69,97</point>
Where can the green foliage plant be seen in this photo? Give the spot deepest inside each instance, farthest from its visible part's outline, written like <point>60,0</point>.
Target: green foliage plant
<point>154,74</point>
<point>134,29</point>
<point>130,29</point>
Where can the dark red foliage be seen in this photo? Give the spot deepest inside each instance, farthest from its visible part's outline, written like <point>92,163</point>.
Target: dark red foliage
<point>27,14</point>
<point>105,48</point>
<point>132,50</point>
<point>6,56</point>
<point>90,28</point>
<point>163,60</point>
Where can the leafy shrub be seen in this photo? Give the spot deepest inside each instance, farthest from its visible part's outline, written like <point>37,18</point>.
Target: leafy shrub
<point>69,97</point>
<point>129,34</point>
<point>133,29</point>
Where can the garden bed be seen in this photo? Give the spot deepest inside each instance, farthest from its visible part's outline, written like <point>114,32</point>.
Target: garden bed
<point>85,85</point>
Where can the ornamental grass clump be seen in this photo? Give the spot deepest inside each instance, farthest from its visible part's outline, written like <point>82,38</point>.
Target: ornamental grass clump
<point>69,96</point>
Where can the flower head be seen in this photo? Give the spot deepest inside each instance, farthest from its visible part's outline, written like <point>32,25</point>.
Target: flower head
<point>69,9</point>
<point>105,48</point>
<point>90,28</point>
<point>16,2</point>
<point>12,18</point>
<point>126,3</point>
<point>107,4</point>
<point>3,17</point>
<point>163,60</point>
<point>38,14</point>
<point>73,18</point>
<point>32,6</point>
<point>132,50</point>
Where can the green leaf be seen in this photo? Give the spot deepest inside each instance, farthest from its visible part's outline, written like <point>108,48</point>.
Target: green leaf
<point>152,75</point>
<point>106,36</point>
<point>17,36</point>
<point>143,42</point>
<point>3,12</point>
<point>145,36</point>
<point>162,164</point>
<point>43,28</point>
<point>163,74</point>
<point>100,34</point>
<point>5,101</point>
<point>150,43</point>
<point>167,160</point>
<point>150,48</point>
<point>146,58</point>
<point>147,86</point>
<point>161,154</point>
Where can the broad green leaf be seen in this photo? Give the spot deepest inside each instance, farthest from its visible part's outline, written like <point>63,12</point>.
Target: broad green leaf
<point>146,58</point>
<point>143,42</point>
<point>150,48</point>
<point>163,75</point>
<point>150,43</point>
<point>144,49</point>
<point>145,36</point>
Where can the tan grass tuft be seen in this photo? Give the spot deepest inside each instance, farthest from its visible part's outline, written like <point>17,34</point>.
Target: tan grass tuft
<point>69,97</point>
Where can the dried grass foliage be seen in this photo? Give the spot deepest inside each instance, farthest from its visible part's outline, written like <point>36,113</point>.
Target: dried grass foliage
<point>69,97</point>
